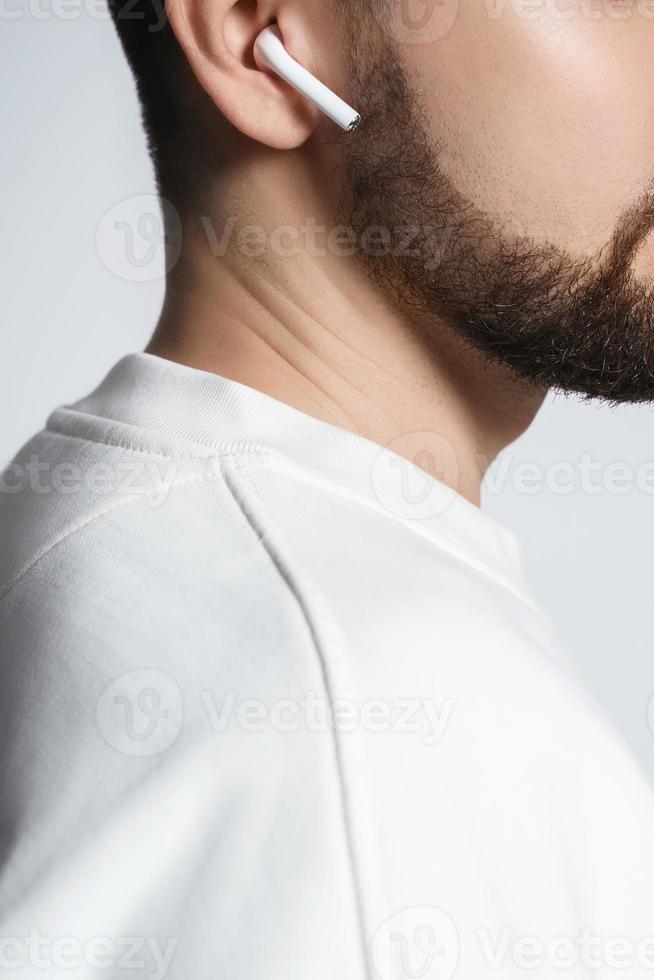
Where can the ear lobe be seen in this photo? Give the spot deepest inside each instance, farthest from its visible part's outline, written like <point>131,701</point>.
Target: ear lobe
<point>218,37</point>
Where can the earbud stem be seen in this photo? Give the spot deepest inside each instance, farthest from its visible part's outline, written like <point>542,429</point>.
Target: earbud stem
<point>270,52</point>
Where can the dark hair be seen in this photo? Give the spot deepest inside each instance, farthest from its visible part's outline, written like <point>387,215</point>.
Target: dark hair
<point>171,98</point>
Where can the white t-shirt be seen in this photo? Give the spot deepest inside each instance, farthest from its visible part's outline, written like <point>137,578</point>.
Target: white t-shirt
<point>275,705</point>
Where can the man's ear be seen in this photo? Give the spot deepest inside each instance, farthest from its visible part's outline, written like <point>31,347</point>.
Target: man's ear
<point>217,37</point>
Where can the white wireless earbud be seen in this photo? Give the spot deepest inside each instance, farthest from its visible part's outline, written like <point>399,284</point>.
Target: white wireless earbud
<point>270,52</point>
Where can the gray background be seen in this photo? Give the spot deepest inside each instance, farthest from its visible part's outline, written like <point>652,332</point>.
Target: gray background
<point>73,151</point>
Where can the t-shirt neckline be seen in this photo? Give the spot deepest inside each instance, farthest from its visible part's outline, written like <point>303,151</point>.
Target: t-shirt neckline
<point>180,405</point>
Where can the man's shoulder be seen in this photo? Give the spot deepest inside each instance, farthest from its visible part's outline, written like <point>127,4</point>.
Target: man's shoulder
<point>61,492</point>
<point>132,550</point>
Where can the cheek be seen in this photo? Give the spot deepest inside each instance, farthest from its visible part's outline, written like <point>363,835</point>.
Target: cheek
<point>545,122</point>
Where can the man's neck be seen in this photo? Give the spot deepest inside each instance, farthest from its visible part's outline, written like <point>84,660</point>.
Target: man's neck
<point>312,331</point>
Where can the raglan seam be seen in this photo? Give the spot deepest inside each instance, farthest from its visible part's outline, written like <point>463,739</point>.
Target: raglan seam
<point>436,538</point>
<point>458,552</point>
<point>260,525</point>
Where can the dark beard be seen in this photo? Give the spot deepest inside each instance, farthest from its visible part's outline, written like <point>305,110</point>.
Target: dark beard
<point>554,321</point>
